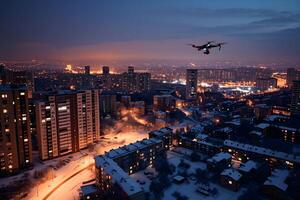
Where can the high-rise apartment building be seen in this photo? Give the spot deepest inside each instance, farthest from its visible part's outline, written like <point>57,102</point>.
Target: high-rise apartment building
<point>67,122</point>
<point>87,69</point>
<point>15,137</point>
<point>292,75</point>
<point>266,83</point>
<point>191,83</point>
<point>105,70</point>
<point>295,104</point>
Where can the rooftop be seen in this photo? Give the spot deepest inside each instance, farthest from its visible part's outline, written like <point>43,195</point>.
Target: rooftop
<point>232,173</point>
<point>248,166</point>
<point>262,125</point>
<point>118,175</point>
<point>277,179</point>
<point>124,150</point>
<point>262,150</point>
<point>219,157</point>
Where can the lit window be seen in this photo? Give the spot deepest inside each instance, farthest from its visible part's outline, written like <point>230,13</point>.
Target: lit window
<point>27,161</point>
<point>22,93</point>
<point>10,166</point>
<point>24,118</point>
<point>4,96</point>
<point>62,108</point>
<point>47,107</point>
<point>4,110</point>
<point>230,182</point>
<point>26,140</point>
<point>7,130</point>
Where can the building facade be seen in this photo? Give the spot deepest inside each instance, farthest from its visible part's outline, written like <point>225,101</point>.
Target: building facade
<point>191,83</point>
<point>15,137</point>
<point>67,122</point>
<point>295,104</point>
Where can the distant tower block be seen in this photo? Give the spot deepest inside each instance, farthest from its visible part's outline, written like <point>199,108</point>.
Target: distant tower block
<point>191,83</point>
<point>105,70</point>
<point>87,69</point>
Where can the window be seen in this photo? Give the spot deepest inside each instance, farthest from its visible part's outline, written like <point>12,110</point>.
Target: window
<point>4,96</point>
<point>4,110</point>
<point>62,108</point>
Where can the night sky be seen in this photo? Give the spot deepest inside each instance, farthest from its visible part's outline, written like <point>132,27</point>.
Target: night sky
<point>102,31</point>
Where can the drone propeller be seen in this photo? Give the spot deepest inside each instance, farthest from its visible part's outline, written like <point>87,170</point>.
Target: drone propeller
<point>193,45</point>
<point>220,45</point>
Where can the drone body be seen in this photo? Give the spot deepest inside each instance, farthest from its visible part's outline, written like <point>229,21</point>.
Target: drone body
<point>206,47</point>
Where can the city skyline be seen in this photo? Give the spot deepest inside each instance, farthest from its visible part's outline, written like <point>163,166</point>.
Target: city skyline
<point>155,32</point>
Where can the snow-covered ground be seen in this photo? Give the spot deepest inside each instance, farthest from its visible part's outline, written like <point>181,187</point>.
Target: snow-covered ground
<point>188,188</point>
<point>80,160</point>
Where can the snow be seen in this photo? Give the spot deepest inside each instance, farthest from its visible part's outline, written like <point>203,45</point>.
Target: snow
<point>190,190</point>
<point>121,151</point>
<point>189,187</point>
<point>225,130</point>
<point>118,175</point>
<point>259,133</point>
<point>248,166</point>
<point>232,173</point>
<point>201,136</point>
<point>219,157</point>
<point>277,179</point>
<point>70,189</point>
<point>261,150</point>
<point>262,125</point>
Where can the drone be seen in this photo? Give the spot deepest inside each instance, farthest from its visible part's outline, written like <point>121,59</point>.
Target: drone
<point>206,47</point>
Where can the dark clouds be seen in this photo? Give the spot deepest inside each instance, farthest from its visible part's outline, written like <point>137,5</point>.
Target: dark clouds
<point>139,29</point>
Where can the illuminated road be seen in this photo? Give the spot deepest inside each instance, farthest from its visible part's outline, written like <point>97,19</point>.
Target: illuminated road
<point>70,177</point>
<point>65,182</point>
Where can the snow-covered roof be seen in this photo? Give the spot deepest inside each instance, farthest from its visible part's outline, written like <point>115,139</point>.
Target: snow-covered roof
<point>118,175</point>
<point>219,157</point>
<point>262,125</point>
<point>198,128</point>
<point>232,173</point>
<point>162,132</point>
<point>262,150</point>
<point>225,130</point>
<point>277,179</point>
<point>201,136</point>
<point>124,150</point>
<point>259,133</point>
<point>236,122</point>
<point>272,118</point>
<point>248,166</point>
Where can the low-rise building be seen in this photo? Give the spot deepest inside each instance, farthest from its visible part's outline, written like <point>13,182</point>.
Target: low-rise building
<point>243,152</point>
<point>219,161</point>
<point>207,146</point>
<point>275,186</point>
<point>109,175</point>
<point>231,179</point>
<point>136,156</point>
<point>164,134</point>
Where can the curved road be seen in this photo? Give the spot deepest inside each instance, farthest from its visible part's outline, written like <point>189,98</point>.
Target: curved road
<point>64,181</point>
